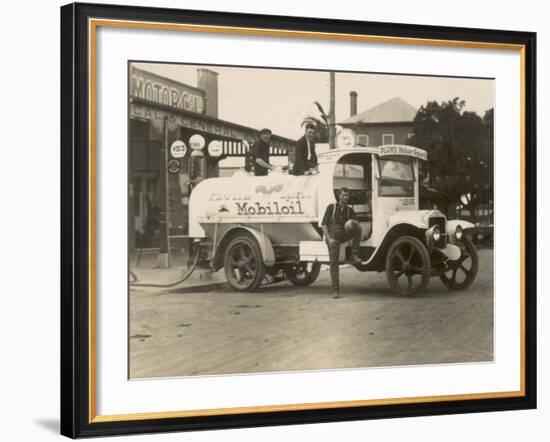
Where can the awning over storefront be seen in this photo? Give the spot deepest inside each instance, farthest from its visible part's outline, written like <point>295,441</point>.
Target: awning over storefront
<point>232,133</point>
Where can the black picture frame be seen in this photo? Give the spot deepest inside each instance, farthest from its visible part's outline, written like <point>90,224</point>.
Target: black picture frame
<point>77,416</point>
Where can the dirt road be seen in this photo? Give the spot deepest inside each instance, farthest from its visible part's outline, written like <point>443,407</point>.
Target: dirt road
<point>284,328</point>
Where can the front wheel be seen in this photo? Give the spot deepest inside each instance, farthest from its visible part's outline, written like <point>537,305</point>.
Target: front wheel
<point>408,266</point>
<point>244,267</point>
<point>461,273</point>
<point>303,274</point>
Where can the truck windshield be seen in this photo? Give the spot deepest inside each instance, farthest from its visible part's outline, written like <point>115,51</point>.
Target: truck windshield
<point>396,177</point>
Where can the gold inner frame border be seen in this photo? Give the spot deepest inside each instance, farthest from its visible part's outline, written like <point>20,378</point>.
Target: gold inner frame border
<point>93,24</point>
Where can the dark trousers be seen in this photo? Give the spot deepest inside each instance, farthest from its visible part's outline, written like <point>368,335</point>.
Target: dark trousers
<point>301,167</point>
<point>338,233</point>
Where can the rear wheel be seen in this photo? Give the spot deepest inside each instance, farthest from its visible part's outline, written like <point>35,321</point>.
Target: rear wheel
<point>407,266</point>
<point>303,273</point>
<point>461,273</point>
<point>244,267</point>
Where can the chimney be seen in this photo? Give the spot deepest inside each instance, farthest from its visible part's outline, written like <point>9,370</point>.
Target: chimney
<point>207,80</point>
<point>352,103</point>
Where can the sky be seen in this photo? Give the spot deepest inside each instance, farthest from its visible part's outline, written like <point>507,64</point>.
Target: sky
<point>279,99</point>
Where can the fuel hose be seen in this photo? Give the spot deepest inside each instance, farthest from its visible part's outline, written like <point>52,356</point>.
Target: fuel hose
<point>135,282</point>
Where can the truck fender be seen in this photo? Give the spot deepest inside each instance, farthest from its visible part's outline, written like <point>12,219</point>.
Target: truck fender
<point>451,225</point>
<point>266,248</point>
<point>402,223</point>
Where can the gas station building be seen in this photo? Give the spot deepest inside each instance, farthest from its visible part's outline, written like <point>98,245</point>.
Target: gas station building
<point>176,140</point>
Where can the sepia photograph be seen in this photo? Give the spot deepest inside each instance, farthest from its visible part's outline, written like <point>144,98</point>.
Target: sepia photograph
<point>289,220</point>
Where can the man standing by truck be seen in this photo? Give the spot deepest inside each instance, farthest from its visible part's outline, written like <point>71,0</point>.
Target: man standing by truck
<point>340,225</point>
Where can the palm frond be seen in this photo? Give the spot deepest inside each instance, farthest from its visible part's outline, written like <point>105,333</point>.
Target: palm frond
<point>311,120</point>
<point>324,115</point>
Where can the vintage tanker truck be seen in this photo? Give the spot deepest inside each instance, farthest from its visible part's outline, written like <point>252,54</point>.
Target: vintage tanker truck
<point>268,228</point>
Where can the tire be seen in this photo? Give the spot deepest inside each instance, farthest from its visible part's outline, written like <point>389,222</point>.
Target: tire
<point>243,263</point>
<point>467,265</point>
<point>407,257</point>
<point>299,275</point>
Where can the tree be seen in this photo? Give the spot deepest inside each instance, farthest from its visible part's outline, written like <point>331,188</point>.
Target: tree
<point>460,152</point>
<point>320,122</point>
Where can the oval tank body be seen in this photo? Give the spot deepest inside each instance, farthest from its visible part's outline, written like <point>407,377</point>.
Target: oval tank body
<point>284,205</point>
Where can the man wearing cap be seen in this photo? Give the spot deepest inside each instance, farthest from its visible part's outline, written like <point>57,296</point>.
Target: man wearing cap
<point>260,153</point>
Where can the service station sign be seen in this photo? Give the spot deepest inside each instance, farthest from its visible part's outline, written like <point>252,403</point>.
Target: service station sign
<point>401,149</point>
<point>157,89</point>
<point>178,149</point>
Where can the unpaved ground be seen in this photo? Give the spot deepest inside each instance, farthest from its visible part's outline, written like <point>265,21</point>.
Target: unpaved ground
<point>283,328</point>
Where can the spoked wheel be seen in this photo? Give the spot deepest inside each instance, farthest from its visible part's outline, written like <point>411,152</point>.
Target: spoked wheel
<point>244,267</point>
<point>303,273</point>
<point>407,266</point>
<point>461,273</point>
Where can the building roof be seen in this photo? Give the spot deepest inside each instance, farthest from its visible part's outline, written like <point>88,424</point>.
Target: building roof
<point>395,110</point>
<point>201,115</point>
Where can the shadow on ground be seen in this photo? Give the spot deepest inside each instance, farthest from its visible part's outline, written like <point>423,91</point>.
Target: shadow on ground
<point>52,425</point>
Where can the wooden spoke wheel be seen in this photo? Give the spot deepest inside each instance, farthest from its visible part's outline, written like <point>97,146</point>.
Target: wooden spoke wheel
<point>407,266</point>
<point>303,274</point>
<point>461,273</point>
<point>244,267</point>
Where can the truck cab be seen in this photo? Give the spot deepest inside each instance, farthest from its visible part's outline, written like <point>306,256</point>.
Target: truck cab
<point>382,181</point>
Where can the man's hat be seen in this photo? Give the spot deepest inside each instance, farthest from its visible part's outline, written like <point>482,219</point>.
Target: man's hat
<point>265,131</point>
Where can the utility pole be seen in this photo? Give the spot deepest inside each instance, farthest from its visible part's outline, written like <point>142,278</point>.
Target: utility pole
<point>164,253</point>
<point>331,117</point>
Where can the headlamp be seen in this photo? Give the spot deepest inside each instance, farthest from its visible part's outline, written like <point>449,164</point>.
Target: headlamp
<point>436,233</point>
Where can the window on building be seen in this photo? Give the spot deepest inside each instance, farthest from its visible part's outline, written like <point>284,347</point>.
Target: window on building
<point>137,195</point>
<point>142,157</point>
<point>363,140</point>
<point>387,139</point>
